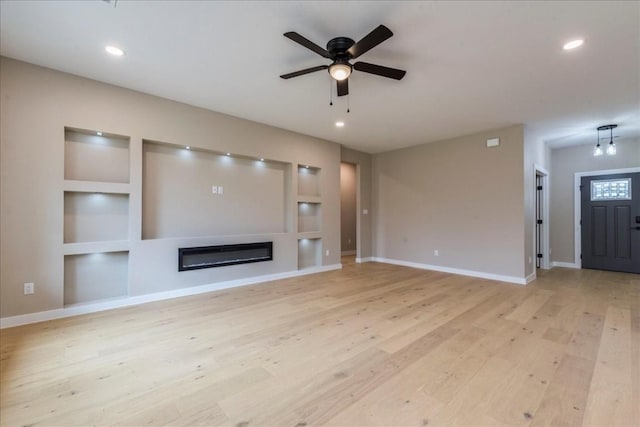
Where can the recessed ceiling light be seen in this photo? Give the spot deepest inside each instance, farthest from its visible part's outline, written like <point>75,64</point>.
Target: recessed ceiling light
<point>187,147</point>
<point>115,51</point>
<point>340,124</point>
<point>261,159</point>
<point>99,133</point>
<point>228,154</point>
<point>573,44</point>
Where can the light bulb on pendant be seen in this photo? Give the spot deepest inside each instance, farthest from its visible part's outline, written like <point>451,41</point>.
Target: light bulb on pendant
<point>598,150</point>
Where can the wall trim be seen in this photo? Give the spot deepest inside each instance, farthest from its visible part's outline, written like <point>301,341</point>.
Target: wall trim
<point>352,252</point>
<point>530,278</point>
<point>565,264</point>
<point>577,237</point>
<point>546,187</point>
<point>365,259</point>
<point>78,309</point>
<point>510,279</point>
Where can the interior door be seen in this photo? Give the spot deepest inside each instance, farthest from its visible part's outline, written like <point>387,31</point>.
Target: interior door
<point>610,223</point>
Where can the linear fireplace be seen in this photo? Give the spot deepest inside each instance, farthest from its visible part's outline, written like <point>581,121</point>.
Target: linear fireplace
<point>223,255</point>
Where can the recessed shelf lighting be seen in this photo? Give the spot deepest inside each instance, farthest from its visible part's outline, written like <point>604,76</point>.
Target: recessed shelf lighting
<point>261,159</point>
<point>340,124</point>
<point>188,147</point>
<point>229,154</point>
<point>115,51</point>
<point>99,133</point>
<point>573,44</point>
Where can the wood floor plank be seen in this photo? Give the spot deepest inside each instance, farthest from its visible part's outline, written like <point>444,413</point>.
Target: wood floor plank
<point>372,344</point>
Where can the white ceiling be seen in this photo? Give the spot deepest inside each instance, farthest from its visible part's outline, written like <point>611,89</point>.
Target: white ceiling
<point>471,66</point>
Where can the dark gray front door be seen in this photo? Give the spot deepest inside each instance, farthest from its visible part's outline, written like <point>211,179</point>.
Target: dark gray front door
<point>611,222</point>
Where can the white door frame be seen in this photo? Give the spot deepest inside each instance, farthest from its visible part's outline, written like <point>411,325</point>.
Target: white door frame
<point>577,236</point>
<point>544,236</point>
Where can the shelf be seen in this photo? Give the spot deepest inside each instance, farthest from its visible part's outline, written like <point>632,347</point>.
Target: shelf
<point>309,199</point>
<point>96,187</point>
<point>95,247</point>
<point>310,235</point>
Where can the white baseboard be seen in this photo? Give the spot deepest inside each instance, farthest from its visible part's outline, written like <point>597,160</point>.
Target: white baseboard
<point>77,309</point>
<point>479,274</point>
<point>343,253</point>
<point>565,264</point>
<point>366,259</point>
<point>530,278</point>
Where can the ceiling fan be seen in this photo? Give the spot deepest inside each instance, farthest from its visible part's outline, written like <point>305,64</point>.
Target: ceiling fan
<point>343,49</point>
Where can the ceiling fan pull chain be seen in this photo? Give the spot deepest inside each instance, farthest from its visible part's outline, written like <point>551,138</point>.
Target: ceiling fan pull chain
<point>330,93</point>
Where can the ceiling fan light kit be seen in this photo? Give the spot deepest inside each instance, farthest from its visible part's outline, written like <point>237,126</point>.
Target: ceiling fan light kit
<point>343,49</point>
<point>340,71</point>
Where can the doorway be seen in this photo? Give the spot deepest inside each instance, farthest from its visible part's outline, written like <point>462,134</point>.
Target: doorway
<point>348,210</point>
<point>541,222</point>
<point>610,221</point>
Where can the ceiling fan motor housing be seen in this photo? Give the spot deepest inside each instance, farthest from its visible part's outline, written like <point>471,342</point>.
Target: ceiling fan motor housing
<point>338,46</point>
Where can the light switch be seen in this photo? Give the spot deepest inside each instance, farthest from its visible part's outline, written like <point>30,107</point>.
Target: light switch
<point>214,189</point>
<point>220,190</point>
<point>493,142</point>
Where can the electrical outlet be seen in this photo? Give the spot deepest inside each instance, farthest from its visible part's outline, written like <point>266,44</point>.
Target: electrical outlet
<point>29,288</point>
<point>220,190</point>
<point>214,189</point>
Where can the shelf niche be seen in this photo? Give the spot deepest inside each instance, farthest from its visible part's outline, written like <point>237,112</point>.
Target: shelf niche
<point>309,253</point>
<point>178,198</point>
<point>308,181</point>
<point>95,217</point>
<point>94,277</point>
<point>309,217</point>
<point>98,158</point>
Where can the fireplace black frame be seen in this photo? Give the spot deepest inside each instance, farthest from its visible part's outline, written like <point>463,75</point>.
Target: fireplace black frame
<point>221,250</point>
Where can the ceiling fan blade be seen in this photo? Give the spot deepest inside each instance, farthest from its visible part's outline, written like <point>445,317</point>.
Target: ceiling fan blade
<point>305,71</point>
<point>307,43</point>
<point>343,87</point>
<point>392,73</point>
<point>371,40</point>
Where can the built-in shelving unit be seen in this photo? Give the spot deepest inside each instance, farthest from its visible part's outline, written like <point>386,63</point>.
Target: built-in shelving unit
<point>96,215</point>
<point>309,206</point>
<point>95,276</point>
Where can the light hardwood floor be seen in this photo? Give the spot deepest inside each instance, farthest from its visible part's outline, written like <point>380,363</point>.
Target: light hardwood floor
<point>372,344</point>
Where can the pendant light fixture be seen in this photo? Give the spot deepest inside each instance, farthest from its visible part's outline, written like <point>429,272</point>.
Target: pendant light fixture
<point>597,151</point>
<point>611,147</point>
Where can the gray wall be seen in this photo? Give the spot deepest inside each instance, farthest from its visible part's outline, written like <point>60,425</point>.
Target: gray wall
<point>565,162</point>
<point>456,196</point>
<point>348,208</point>
<point>364,199</point>
<point>38,103</point>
